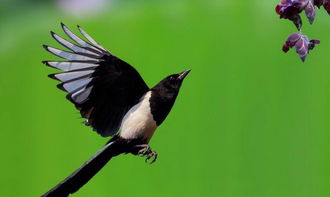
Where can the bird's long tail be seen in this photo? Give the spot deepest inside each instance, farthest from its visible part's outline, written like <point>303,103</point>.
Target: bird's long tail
<point>83,174</point>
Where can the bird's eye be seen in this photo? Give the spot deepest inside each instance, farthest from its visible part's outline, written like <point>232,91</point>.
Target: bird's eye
<point>171,78</point>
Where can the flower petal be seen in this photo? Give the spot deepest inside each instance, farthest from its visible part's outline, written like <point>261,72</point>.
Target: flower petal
<point>310,12</point>
<point>293,38</point>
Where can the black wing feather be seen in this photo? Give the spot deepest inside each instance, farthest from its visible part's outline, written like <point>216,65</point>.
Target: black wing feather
<point>104,96</point>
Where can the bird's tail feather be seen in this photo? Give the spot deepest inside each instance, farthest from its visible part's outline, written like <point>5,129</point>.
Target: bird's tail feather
<point>83,174</point>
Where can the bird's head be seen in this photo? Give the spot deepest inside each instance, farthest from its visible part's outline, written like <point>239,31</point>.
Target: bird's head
<point>170,86</point>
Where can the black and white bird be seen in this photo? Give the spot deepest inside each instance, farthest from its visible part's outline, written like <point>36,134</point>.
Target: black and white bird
<point>113,98</point>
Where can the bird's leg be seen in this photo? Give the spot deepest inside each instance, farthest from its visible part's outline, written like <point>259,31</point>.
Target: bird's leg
<point>144,150</point>
<point>140,149</point>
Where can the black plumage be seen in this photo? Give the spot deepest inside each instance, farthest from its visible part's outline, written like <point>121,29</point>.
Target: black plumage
<point>123,84</point>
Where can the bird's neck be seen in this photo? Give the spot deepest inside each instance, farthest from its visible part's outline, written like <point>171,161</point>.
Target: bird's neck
<point>161,104</point>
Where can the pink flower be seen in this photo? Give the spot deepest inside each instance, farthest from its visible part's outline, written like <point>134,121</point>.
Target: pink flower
<point>302,44</point>
<point>291,9</point>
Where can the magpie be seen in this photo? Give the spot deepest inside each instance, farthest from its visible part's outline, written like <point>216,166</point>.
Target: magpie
<point>113,99</point>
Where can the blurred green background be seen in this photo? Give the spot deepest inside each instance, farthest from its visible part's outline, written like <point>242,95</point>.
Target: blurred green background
<point>250,121</point>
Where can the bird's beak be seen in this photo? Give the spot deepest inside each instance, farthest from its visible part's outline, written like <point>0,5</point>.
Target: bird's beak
<point>183,74</point>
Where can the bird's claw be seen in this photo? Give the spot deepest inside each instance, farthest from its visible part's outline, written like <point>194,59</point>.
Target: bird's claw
<point>153,156</point>
<point>144,150</point>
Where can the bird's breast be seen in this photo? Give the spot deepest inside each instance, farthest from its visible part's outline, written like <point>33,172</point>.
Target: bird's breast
<point>138,121</point>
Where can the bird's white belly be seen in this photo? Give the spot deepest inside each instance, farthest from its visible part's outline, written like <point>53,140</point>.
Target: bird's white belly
<point>138,121</point>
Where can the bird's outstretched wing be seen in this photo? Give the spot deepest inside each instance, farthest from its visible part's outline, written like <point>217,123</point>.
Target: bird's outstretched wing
<point>102,86</point>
